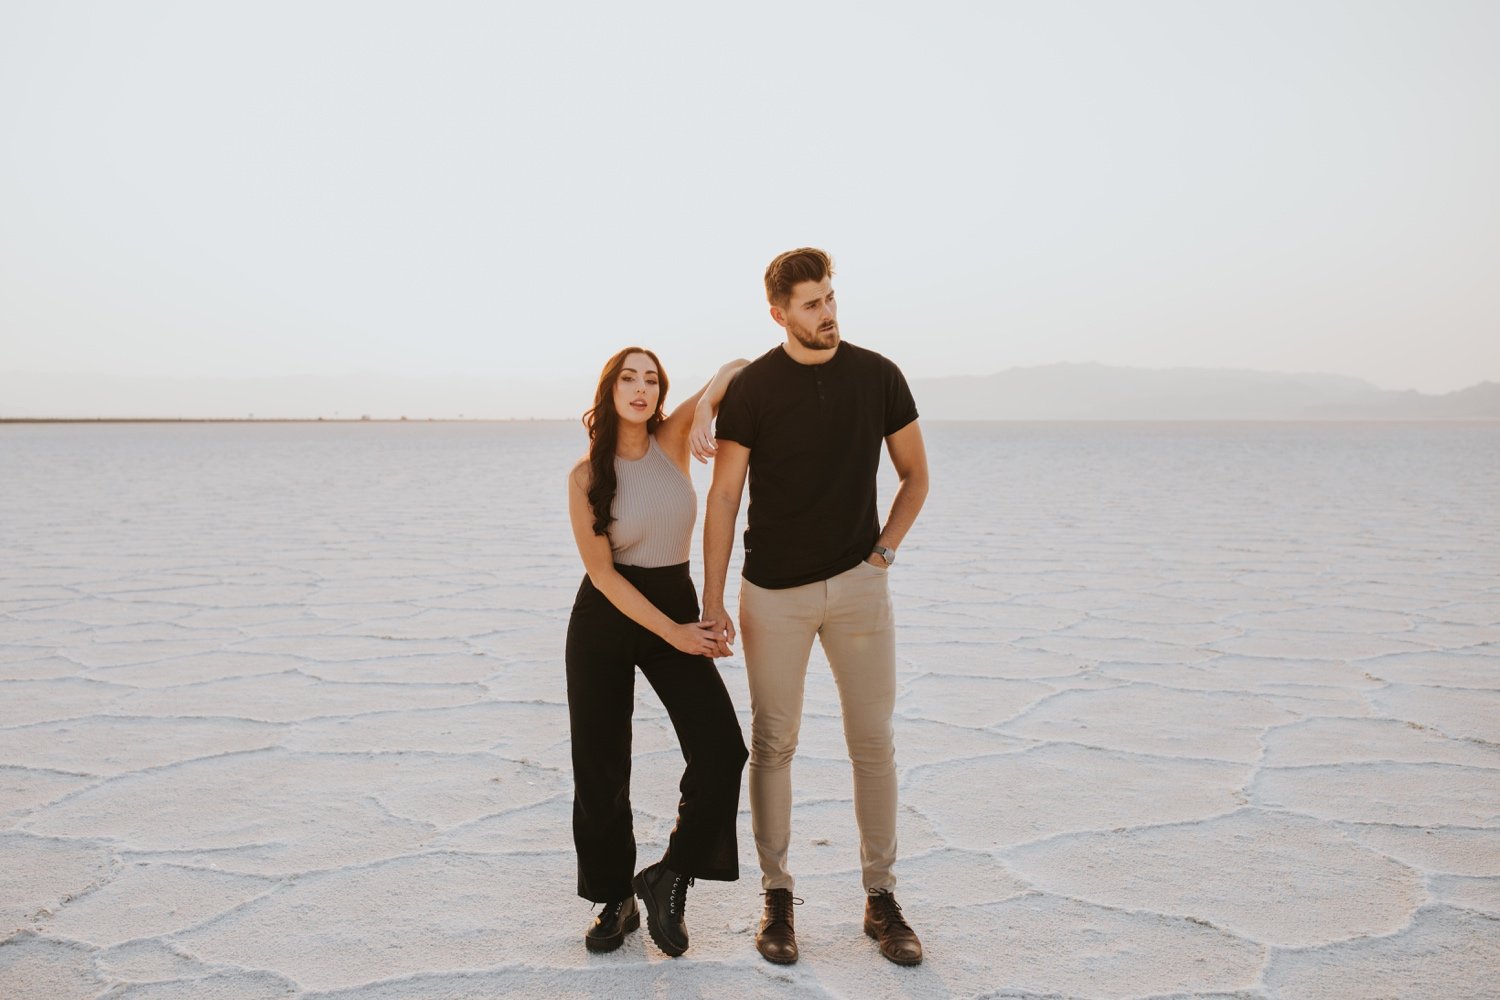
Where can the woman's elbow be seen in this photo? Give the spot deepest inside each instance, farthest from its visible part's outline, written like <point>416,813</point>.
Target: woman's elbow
<point>602,577</point>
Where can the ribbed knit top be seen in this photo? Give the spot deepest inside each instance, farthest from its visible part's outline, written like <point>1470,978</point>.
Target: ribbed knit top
<point>654,508</point>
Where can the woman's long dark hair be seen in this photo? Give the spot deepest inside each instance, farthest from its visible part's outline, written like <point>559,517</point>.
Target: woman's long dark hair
<point>603,423</point>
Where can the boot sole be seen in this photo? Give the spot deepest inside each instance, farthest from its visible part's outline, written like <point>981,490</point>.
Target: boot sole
<point>778,961</point>
<point>874,934</point>
<point>643,891</point>
<point>611,943</point>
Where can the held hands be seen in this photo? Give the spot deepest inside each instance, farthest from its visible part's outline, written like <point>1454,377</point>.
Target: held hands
<point>715,615</point>
<point>701,437</point>
<point>703,638</point>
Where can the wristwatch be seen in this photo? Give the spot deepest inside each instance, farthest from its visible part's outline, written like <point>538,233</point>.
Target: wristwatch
<point>889,555</point>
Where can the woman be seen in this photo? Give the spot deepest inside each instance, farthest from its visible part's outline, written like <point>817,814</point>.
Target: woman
<point>633,506</point>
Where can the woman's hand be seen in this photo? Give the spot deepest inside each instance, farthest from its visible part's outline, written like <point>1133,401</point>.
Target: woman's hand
<point>698,639</point>
<point>701,437</point>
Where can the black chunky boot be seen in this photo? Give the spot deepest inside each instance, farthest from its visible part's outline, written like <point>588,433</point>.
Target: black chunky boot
<point>612,924</point>
<point>664,893</point>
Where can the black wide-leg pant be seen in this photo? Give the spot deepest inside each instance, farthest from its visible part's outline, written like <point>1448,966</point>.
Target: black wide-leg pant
<point>604,648</point>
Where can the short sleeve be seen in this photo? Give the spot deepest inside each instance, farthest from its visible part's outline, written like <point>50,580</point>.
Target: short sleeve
<point>735,422</point>
<point>900,407</point>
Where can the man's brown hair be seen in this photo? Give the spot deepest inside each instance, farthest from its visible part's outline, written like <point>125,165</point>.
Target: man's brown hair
<point>791,269</point>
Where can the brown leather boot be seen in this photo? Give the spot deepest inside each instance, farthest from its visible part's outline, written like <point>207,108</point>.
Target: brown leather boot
<point>884,923</point>
<point>777,940</point>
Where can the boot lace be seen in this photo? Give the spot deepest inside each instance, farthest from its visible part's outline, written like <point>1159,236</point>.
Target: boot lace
<point>887,910</point>
<point>611,911</point>
<point>677,898</point>
<point>779,903</point>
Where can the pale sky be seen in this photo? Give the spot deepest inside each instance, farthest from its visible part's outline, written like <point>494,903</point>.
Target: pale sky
<point>511,190</point>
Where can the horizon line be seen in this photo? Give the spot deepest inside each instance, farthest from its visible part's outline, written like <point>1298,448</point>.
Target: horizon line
<point>926,420</point>
<point>542,379</point>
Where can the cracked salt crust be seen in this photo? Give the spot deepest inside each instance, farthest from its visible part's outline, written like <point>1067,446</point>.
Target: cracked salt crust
<point>1223,730</point>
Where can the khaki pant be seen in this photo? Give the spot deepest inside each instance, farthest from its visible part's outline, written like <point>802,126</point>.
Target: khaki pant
<point>851,613</point>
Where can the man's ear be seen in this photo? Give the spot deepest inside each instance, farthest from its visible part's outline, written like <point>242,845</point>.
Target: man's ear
<point>778,316</point>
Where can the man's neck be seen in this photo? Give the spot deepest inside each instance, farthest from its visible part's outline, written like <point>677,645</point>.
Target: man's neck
<point>806,355</point>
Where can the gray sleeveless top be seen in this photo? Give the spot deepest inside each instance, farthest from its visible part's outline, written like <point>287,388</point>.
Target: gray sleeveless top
<point>654,509</point>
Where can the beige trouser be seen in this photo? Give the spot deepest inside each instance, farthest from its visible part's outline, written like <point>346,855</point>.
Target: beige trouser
<point>851,613</point>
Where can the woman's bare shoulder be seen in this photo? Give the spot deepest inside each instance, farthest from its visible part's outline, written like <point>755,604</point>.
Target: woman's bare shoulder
<point>580,475</point>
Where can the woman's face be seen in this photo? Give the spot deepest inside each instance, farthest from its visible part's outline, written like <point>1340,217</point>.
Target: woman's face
<point>638,389</point>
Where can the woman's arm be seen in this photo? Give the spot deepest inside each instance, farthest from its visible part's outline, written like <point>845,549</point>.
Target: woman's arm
<point>598,561</point>
<point>700,408</point>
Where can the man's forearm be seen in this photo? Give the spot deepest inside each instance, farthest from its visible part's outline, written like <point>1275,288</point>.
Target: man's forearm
<point>718,542</point>
<point>907,504</point>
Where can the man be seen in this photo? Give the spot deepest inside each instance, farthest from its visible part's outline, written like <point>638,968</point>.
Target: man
<point>806,421</point>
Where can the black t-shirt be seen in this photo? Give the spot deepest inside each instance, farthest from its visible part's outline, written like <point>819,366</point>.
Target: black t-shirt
<point>814,434</point>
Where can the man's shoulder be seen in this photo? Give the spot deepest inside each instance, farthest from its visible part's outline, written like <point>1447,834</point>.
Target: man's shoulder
<point>767,362</point>
<point>759,372</point>
<point>868,360</point>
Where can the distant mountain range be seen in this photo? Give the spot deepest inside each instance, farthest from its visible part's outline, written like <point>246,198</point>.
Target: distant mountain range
<point>1048,392</point>
<point>1101,392</point>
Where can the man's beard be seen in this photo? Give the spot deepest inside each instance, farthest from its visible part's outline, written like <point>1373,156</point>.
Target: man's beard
<point>815,339</point>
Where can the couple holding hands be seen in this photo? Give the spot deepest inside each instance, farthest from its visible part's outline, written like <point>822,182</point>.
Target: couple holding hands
<point>806,422</point>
